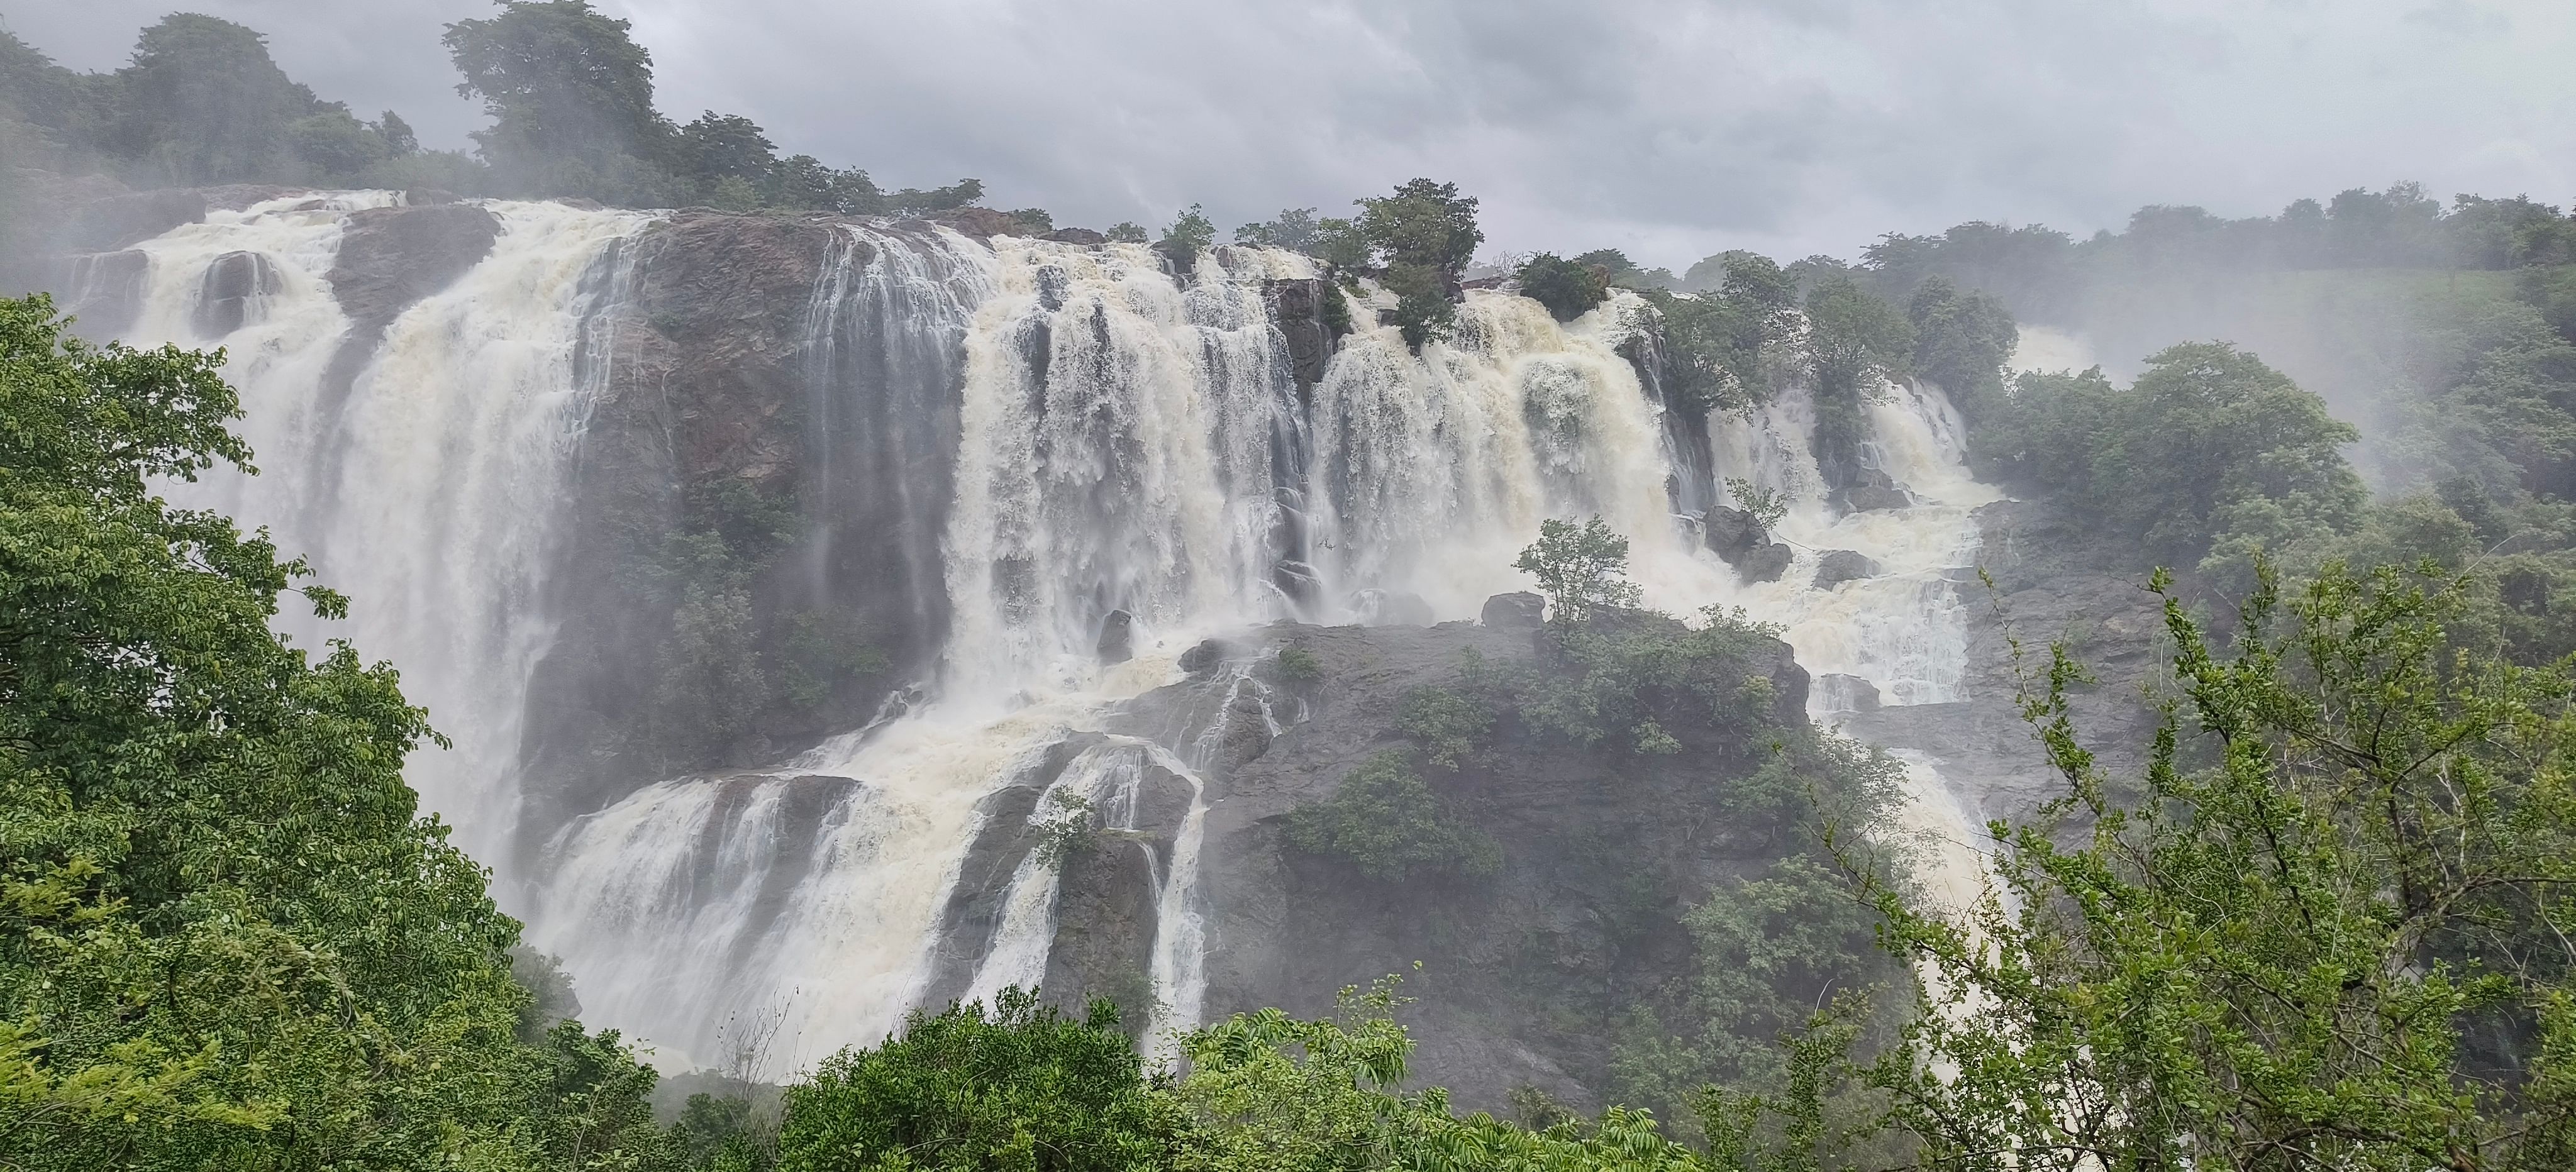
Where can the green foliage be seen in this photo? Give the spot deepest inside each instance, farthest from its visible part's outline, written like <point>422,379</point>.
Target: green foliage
<point>2210,456</point>
<point>1299,666</point>
<point>1126,232</point>
<point>226,937</point>
<point>1423,225</point>
<point>1961,342</point>
<point>1022,1087</point>
<point>1853,339</point>
<point>570,95</point>
<point>1717,343</point>
<point>1449,724</point>
<point>1294,230</point>
<point>1423,235</point>
<point>1569,289</point>
<point>1766,953</point>
<point>1582,569</point>
<point>1766,505</point>
<point>1386,821</point>
<point>1190,234</point>
<point>2327,932</point>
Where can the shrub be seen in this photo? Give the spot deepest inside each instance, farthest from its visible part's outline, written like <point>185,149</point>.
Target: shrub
<point>1389,824</point>
<point>1566,288</point>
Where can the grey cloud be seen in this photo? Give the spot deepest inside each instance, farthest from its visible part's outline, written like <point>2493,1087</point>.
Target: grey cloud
<point>1668,127</point>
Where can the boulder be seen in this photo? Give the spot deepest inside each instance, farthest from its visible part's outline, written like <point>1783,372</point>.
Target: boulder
<point>1519,610</point>
<point>1842,565</point>
<point>232,282</point>
<point>1731,530</point>
<point>1763,564</point>
<point>1083,236</point>
<point>1117,637</point>
<point>1871,488</point>
<point>1837,692</point>
<point>1735,536</point>
<point>980,223</point>
<point>1867,497</point>
<point>1390,608</point>
<point>1205,657</point>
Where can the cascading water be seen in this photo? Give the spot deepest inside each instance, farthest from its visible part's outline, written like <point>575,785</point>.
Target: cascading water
<point>1125,443</point>
<point>1115,456</point>
<point>421,488</point>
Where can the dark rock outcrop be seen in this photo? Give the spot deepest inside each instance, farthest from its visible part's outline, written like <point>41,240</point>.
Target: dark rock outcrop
<point>1519,610</point>
<point>980,223</point>
<point>1117,637</point>
<point>1525,969</point>
<point>1084,236</point>
<point>1297,307</point>
<point>738,384</point>
<point>1743,543</point>
<point>1391,608</point>
<point>392,257</point>
<point>1846,693</point>
<point>1869,488</point>
<point>225,292</point>
<point>1838,566</point>
<point>2051,584</point>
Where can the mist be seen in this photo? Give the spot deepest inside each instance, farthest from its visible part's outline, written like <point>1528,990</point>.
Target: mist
<point>1670,130</point>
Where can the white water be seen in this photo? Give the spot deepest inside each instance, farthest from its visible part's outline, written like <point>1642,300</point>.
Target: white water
<point>1120,440</point>
<point>424,493</point>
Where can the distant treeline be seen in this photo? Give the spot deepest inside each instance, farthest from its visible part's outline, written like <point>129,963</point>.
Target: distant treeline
<point>568,91</point>
<point>2035,269</point>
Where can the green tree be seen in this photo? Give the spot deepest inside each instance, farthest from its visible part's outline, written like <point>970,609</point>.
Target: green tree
<point>2209,457</point>
<point>1582,569</point>
<point>1962,339</point>
<point>1423,235</point>
<point>227,937</point>
<point>2326,929</point>
<point>1717,343</point>
<point>1568,289</point>
<point>570,95</point>
<point>1294,230</point>
<point>1190,233</point>
<point>1021,1087</point>
<point>1853,338</point>
<point>203,103</point>
<point>727,146</point>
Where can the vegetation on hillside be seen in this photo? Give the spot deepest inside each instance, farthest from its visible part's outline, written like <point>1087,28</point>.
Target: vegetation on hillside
<point>568,90</point>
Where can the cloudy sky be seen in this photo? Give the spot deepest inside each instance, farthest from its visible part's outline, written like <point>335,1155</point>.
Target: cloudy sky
<point>1671,128</point>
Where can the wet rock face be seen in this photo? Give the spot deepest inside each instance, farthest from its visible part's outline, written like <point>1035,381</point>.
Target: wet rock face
<point>1524,970</point>
<point>1117,637</point>
<point>1838,566</point>
<point>225,293</point>
<point>2054,581</point>
<point>732,380</point>
<point>1869,488</point>
<point>392,257</point>
<point>1846,693</point>
<point>1390,608</point>
<point>1297,307</point>
<point>1517,611</point>
<point>1743,543</point>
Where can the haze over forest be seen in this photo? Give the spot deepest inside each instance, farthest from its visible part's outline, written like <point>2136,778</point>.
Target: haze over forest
<point>1670,130</point>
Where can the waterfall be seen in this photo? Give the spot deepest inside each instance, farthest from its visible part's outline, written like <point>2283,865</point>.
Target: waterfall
<point>1135,467</point>
<point>422,488</point>
<point>1115,455</point>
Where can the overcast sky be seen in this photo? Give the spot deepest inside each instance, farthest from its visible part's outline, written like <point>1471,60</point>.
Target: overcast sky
<point>1669,128</point>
